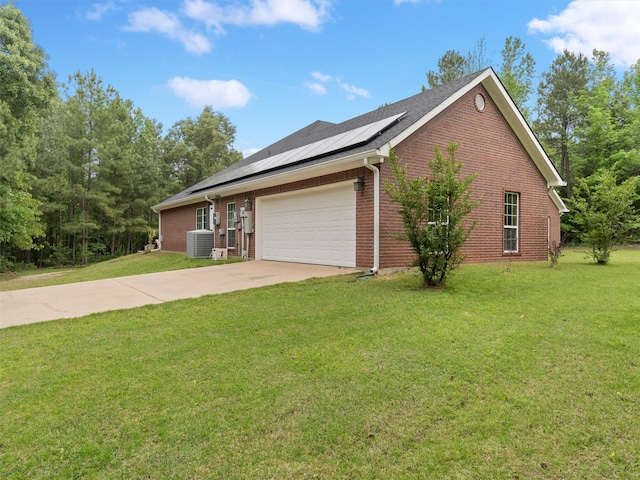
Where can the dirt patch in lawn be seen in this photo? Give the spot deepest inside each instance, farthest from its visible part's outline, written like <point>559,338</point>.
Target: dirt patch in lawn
<point>41,276</point>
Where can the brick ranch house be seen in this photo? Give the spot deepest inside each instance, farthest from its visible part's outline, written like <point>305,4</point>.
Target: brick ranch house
<point>317,196</point>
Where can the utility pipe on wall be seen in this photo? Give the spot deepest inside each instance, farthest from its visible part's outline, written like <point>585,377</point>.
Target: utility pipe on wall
<point>212,224</point>
<point>376,215</point>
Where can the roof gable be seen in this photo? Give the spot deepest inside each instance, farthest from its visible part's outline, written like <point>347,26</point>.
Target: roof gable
<point>508,109</point>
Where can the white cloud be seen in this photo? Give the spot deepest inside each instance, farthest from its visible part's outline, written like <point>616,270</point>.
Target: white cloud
<point>218,94</point>
<point>585,25</point>
<point>316,88</point>
<point>307,14</point>
<point>99,10</point>
<point>319,87</point>
<point>321,77</point>
<point>353,91</point>
<point>155,20</point>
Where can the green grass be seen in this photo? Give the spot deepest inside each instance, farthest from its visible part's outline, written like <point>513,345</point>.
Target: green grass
<point>514,371</point>
<point>135,264</point>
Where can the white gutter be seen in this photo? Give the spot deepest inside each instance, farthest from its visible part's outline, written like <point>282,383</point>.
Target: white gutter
<point>376,215</point>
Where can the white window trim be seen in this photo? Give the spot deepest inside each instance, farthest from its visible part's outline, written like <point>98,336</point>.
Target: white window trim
<point>231,226</point>
<point>201,214</point>
<point>515,227</point>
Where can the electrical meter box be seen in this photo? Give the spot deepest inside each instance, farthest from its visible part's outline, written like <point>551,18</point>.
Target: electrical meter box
<point>248,222</point>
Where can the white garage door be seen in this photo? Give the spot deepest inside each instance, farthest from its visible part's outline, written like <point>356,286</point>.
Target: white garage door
<point>313,226</point>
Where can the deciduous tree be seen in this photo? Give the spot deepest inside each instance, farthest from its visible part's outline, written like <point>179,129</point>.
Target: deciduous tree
<point>198,148</point>
<point>434,213</point>
<point>26,90</point>
<point>604,212</point>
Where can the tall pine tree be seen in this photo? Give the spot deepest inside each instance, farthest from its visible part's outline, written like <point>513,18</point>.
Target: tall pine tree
<point>558,116</point>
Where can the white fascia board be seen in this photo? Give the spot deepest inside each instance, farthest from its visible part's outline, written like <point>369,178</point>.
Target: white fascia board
<point>303,173</point>
<point>521,128</point>
<point>558,202</point>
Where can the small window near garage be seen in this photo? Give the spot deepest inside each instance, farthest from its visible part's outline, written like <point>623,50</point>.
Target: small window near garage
<point>511,214</point>
<point>231,225</point>
<point>201,218</point>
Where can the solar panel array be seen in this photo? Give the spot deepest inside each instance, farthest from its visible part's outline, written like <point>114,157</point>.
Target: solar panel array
<point>321,147</point>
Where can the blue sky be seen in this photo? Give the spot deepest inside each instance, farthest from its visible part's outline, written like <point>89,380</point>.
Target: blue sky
<point>274,66</point>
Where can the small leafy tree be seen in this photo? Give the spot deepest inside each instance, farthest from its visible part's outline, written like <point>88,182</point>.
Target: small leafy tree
<point>604,212</point>
<point>434,213</point>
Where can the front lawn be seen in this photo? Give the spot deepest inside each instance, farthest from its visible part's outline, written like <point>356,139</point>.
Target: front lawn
<point>134,264</point>
<point>514,371</point>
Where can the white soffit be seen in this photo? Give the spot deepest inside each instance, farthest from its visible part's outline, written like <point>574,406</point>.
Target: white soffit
<point>315,149</point>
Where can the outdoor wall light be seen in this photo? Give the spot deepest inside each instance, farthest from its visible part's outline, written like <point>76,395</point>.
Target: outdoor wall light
<point>247,203</point>
<point>358,185</point>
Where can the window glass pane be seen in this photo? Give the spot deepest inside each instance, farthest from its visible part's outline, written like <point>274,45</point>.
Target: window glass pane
<point>231,208</point>
<point>510,240</point>
<point>231,227</point>
<point>201,223</point>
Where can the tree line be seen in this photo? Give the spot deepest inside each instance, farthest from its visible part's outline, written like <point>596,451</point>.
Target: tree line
<point>80,166</point>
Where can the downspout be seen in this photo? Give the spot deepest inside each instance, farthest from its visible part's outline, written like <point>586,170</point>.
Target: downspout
<point>211,217</point>
<point>159,227</point>
<point>376,215</point>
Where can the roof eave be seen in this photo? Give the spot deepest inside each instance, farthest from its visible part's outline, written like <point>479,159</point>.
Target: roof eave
<point>558,202</point>
<point>276,178</point>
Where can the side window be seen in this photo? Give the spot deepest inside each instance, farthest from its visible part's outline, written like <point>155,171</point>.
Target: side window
<point>231,225</point>
<point>201,218</point>
<point>511,214</point>
<point>439,213</point>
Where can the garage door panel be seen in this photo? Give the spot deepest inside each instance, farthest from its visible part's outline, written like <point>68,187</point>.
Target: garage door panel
<point>315,226</point>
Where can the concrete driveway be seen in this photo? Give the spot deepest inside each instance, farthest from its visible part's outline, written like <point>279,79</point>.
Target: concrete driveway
<point>40,304</point>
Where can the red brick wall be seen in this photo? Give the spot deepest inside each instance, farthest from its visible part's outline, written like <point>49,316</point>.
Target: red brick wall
<point>175,224</point>
<point>489,148</point>
<point>554,217</point>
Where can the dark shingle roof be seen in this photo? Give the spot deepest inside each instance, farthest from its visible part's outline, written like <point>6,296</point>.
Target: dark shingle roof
<point>415,107</point>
